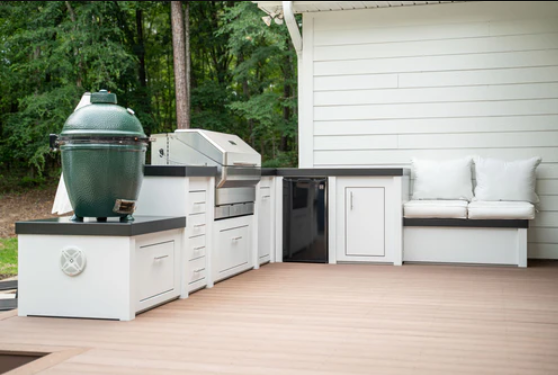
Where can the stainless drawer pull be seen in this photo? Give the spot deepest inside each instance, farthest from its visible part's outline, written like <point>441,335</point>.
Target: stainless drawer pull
<point>199,225</point>
<point>199,270</point>
<point>237,238</point>
<point>160,257</point>
<point>198,203</point>
<point>266,196</point>
<point>198,248</point>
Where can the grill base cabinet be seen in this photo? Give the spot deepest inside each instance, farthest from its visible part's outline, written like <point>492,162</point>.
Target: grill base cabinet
<point>115,276</point>
<point>184,191</point>
<point>233,247</point>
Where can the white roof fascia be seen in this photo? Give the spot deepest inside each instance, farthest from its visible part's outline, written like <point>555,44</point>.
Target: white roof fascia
<point>292,26</point>
<point>324,6</point>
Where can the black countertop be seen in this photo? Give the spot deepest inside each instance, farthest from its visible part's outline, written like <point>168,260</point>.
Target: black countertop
<point>326,172</point>
<point>90,227</point>
<point>201,171</point>
<point>269,171</point>
<point>179,171</point>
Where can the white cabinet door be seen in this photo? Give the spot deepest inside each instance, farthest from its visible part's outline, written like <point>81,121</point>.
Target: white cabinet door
<point>365,221</point>
<point>232,251</point>
<point>264,224</point>
<point>154,269</point>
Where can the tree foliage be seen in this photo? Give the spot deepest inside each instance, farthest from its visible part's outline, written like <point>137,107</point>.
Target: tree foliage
<point>51,52</point>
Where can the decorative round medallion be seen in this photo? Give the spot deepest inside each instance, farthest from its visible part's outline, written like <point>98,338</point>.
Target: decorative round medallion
<point>72,261</point>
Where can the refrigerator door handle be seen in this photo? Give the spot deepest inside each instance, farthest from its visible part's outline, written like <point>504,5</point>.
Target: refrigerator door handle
<point>351,200</point>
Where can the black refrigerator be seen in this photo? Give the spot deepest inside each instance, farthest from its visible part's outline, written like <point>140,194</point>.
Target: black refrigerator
<point>305,220</point>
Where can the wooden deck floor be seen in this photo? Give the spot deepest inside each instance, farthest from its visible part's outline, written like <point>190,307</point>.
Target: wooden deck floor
<point>324,319</point>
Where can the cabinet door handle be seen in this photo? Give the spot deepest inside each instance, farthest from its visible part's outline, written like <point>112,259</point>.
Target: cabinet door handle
<point>266,196</point>
<point>198,248</point>
<point>199,225</point>
<point>199,270</point>
<point>198,203</point>
<point>351,200</point>
<point>156,259</point>
<point>234,239</point>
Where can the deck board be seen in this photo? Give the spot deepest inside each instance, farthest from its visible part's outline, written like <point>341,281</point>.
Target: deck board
<point>326,319</point>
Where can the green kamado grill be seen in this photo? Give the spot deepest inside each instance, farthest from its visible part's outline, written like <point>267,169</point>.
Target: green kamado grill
<point>103,154</point>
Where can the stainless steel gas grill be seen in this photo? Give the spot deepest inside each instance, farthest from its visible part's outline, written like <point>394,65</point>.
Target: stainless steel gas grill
<point>238,165</point>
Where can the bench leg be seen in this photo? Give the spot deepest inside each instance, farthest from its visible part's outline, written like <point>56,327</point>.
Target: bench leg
<point>522,247</point>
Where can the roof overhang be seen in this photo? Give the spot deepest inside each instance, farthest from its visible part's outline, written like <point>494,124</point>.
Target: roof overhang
<point>326,6</point>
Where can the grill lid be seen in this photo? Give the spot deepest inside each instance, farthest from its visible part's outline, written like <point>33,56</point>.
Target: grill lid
<point>103,118</point>
<point>204,147</point>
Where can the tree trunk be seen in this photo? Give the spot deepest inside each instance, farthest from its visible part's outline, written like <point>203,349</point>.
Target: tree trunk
<point>178,44</point>
<point>188,60</point>
<point>169,94</point>
<point>76,50</point>
<point>141,48</point>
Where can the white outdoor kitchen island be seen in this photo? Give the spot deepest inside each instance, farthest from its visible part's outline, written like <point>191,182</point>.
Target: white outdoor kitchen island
<point>207,211</point>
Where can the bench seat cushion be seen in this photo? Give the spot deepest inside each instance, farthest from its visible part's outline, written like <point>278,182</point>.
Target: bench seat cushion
<point>449,209</point>
<point>508,210</point>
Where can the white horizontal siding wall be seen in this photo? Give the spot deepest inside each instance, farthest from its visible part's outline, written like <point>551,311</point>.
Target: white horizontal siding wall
<point>438,81</point>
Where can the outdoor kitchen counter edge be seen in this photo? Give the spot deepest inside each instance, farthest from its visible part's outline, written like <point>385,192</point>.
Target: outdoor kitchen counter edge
<point>179,171</point>
<point>90,227</point>
<point>326,172</point>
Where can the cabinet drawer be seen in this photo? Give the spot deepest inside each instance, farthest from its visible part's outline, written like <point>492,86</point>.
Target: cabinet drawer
<point>196,247</point>
<point>265,182</point>
<point>233,249</point>
<point>198,184</point>
<point>196,271</point>
<point>265,192</point>
<point>155,269</point>
<point>196,225</point>
<point>197,202</point>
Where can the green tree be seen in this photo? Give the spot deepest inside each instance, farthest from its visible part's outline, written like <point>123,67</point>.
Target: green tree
<point>264,79</point>
<point>243,77</point>
<point>52,53</point>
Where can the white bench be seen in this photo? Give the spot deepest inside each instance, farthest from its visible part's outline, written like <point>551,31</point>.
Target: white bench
<point>461,232</point>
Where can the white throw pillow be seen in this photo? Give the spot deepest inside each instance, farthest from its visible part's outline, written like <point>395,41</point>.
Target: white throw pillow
<point>447,179</point>
<point>499,180</point>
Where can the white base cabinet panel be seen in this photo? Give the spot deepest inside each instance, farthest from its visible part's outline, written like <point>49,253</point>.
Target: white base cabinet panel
<point>233,247</point>
<point>121,277</point>
<point>504,246</point>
